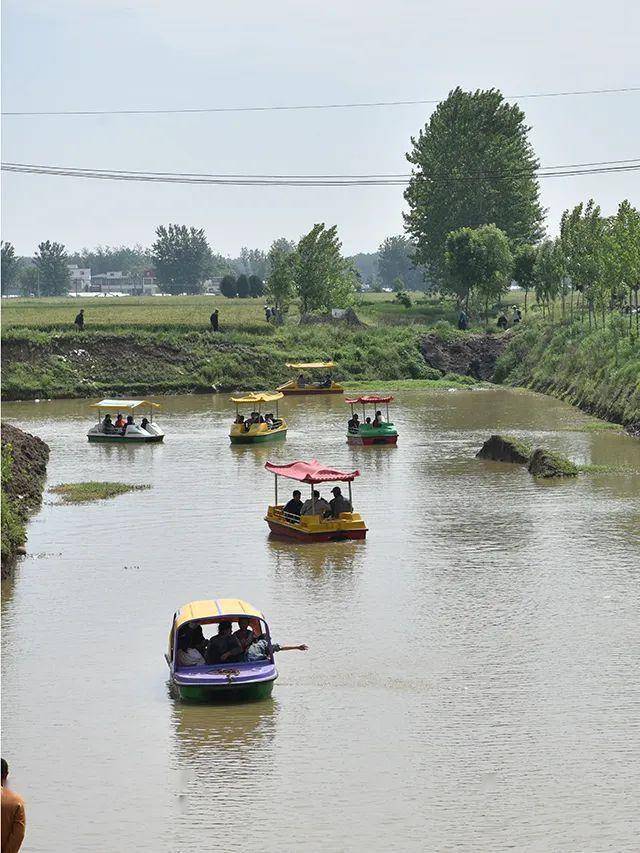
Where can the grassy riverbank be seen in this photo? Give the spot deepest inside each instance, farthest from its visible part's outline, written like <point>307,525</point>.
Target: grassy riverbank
<point>595,369</point>
<point>24,464</point>
<point>80,493</point>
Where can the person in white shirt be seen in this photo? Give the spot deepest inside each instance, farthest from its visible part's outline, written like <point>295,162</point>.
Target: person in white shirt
<point>187,655</point>
<point>317,506</point>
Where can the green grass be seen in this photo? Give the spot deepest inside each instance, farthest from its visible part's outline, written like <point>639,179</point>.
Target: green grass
<point>76,493</point>
<point>13,529</point>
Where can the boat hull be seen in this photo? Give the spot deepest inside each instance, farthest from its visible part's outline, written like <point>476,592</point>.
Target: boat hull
<point>327,532</point>
<point>368,440</point>
<point>121,439</point>
<point>234,693</point>
<point>275,435</point>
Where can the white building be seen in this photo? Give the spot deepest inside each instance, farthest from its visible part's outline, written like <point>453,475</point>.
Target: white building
<point>80,278</point>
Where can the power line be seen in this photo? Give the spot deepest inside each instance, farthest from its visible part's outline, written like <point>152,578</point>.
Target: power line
<point>294,107</point>
<point>394,175</point>
<point>307,181</point>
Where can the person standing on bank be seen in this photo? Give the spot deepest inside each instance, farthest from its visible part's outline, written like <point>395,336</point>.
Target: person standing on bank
<point>79,321</point>
<point>213,319</point>
<point>13,817</point>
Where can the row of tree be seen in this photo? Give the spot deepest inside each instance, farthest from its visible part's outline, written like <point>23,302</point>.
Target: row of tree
<point>243,286</point>
<point>47,275</point>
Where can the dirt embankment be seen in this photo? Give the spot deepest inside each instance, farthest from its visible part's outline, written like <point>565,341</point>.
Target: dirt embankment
<point>473,355</point>
<point>24,472</point>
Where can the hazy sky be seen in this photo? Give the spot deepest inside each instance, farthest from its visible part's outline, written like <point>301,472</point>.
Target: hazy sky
<point>113,54</point>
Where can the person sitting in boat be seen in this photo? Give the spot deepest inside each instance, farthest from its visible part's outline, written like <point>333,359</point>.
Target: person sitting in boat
<point>294,506</point>
<point>244,635</point>
<point>367,422</point>
<point>317,506</point>
<point>269,421</point>
<point>338,503</point>
<point>187,655</point>
<point>379,416</point>
<point>224,647</point>
<point>239,419</point>
<point>130,422</point>
<point>107,424</point>
<point>144,423</point>
<point>120,422</point>
<point>327,382</point>
<point>261,649</point>
<point>353,425</point>
<point>301,382</point>
<point>197,639</point>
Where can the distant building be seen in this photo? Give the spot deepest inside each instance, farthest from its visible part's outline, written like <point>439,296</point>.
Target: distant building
<point>80,278</point>
<point>128,284</point>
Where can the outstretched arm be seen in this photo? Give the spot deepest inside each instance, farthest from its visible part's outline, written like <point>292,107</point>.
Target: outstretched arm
<point>300,648</point>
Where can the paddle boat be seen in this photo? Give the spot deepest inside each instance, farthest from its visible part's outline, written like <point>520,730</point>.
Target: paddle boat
<point>225,681</point>
<point>299,384</point>
<point>365,433</point>
<point>312,526</point>
<point>132,433</point>
<point>250,431</point>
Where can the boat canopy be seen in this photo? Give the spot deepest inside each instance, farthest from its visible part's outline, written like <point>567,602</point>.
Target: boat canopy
<point>311,472</point>
<point>117,405</point>
<point>258,397</point>
<point>312,365</point>
<point>370,399</point>
<point>213,608</point>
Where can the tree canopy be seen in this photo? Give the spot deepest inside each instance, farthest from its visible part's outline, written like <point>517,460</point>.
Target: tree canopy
<point>53,273</point>
<point>478,259</point>
<point>280,286</point>
<point>182,258</point>
<point>395,261</point>
<point>473,165</point>
<point>10,264</point>
<point>229,286</point>
<point>323,278</point>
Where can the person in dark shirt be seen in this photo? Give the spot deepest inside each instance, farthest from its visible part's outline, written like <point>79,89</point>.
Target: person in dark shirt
<point>338,503</point>
<point>79,321</point>
<point>213,319</point>
<point>223,648</point>
<point>353,425</point>
<point>244,635</point>
<point>502,321</point>
<point>294,506</point>
<point>463,321</point>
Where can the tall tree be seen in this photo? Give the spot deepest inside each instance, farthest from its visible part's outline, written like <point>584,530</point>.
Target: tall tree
<point>395,260</point>
<point>103,259</point>
<point>582,232</point>
<point>479,258</point>
<point>252,262</point>
<point>280,286</point>
<point>524,259</point>
<point>473,165</point>
<point>10,264</point>
<point>549,274</point>
<point>53,273</point>
<point>28,280</point>
<point>622,257</point>
<point>323,278</point>
<point>182,258</point>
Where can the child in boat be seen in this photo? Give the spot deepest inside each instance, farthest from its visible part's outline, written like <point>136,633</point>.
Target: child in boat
<point>120,421</point>
<point>244,635</point>
<point>187,654</point>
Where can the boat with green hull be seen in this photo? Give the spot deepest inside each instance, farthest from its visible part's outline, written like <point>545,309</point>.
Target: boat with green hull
<point>371,431</point>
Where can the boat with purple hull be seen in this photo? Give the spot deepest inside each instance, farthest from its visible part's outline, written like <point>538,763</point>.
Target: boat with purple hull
<point>236,681</point>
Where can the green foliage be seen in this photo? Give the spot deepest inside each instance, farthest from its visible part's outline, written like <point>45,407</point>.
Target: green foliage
<point>229,286</point>
<point>395,261</point>
<point>9,268</point>
<point>280,286</point>
<point>182,258</point>
<point>256,286</point>
<point>403,298</point>
<point>549,272</point>
<point>28,280</point>
<point>524,259</point>
<point>244,288</point>
<point>473,165</point>
<point>13,532</point>
<point>76,493</point>
<point>103,259</point>
<point>51,263</point>
<point>252,262</point>
<point>323,279</point>
<point>478,258</point>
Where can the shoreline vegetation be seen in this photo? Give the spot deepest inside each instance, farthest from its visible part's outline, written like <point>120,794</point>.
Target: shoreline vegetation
<point>127,349</point>
<point>24,468</point>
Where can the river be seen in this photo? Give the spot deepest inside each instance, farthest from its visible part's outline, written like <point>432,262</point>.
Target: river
<point>472,677</point>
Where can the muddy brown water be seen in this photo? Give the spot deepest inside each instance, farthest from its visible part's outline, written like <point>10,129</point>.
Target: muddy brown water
<point>472,679</point>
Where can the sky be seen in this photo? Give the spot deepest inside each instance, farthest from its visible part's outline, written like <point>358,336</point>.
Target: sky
<point>137,54</point>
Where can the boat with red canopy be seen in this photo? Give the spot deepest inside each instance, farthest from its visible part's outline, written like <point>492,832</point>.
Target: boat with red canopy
<point>317,520</point>
<point>371,430</point>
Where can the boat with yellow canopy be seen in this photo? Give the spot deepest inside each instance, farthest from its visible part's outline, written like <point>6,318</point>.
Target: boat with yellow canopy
<point>129,432</point>
<point>316,520</point>
<point>257,428</point>
<point>233,681</point>
<point>301,385</point>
